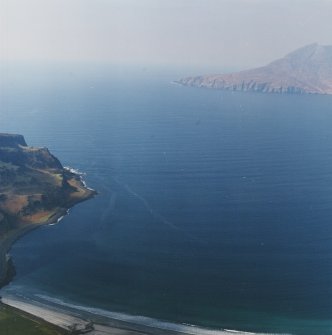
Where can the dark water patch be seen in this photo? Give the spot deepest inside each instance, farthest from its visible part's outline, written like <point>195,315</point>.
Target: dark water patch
<point>214,207</point>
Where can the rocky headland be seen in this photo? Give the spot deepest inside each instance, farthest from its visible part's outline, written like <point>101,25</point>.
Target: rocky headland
<point>306,70</point>
<point>35,189</point>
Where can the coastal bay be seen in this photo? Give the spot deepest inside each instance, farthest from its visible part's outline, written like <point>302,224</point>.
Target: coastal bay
<point>94,324</point>
<point>214,207</point>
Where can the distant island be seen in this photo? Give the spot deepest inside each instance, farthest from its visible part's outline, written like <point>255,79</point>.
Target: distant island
<point>35,189</point>
<point>306,70</point>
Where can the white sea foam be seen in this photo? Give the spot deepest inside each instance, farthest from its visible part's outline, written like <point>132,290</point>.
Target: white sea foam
<point>59,219</point>
<point>79,174</point>
<point>74,171</point>
<point>55,223</point>
<point>145,321</point>
<point>237,332</point>
<point>85,185</point>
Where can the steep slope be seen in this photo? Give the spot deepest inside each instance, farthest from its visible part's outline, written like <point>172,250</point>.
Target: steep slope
<point>306,70</point>
<point>34,189</point>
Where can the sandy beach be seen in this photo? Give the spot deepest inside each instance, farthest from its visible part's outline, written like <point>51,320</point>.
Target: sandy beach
<point>63,319</point>
<point>89,323</point>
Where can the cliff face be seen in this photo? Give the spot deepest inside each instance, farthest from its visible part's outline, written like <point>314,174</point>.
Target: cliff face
<point>306,70</point>
<point>14,150</point>
<point>12,140</point>
<point>33,184</point>
<point>34,189</point>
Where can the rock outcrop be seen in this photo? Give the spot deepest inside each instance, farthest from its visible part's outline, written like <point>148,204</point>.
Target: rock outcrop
<point>14,150</point>
<point>306,70</point>
<point>12,140</point>
<point>35,189</point>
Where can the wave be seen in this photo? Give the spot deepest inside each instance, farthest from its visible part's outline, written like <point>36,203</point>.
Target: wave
<point>59,219</point>
<point>79,174</point>
<point>144,320</point>
<point>74,171</point>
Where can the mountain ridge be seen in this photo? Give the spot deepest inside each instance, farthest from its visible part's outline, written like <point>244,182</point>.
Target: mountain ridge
<point>305,70</point>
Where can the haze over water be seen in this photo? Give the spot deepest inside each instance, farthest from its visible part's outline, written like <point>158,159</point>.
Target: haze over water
<point>214,208</point>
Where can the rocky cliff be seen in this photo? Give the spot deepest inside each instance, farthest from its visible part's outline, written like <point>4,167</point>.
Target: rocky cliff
<point>32,181</point>
<point>34,189</point>
<point>12,140</point>
<point>306,70</point>
<point>14,150</point>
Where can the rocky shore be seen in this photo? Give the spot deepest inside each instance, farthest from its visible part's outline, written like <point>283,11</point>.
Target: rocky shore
<point>307,70</point>
<point>35,189</point>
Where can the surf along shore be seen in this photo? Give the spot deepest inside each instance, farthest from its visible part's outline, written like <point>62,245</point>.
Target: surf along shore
<point>95,322</point>
<point>35,190</point>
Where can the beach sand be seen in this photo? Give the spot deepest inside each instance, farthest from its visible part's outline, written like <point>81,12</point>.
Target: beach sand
<point>97,325</point>
<point>64,319</point>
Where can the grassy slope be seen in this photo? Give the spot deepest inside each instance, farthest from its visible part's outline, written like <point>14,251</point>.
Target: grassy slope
<point>34,190</point>
<point>13,322</point>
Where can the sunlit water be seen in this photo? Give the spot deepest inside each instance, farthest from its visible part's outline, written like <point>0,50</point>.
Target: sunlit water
<point>214,208</point>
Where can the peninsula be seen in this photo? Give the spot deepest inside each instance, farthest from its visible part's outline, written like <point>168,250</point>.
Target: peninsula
<point>306,70</point>
<point>35,189</point>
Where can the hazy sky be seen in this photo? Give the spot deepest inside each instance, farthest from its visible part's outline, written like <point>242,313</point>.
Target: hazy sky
<point>225,33</point>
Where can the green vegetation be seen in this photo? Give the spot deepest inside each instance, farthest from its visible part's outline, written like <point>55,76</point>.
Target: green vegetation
<point>13,322</point>
<point>34,186</point>
<point>35,189</point>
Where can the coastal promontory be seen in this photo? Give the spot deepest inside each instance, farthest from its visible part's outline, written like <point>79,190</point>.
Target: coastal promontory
<point>306,70</point>
<point>35,189</point>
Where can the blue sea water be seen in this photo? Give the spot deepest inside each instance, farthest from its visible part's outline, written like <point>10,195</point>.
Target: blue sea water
<point>214,208</point>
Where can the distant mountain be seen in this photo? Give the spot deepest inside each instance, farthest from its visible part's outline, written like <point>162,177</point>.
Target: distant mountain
<point>306,70</point>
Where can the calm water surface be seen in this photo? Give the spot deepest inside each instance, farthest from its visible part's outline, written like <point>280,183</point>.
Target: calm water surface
<point>214,208</point>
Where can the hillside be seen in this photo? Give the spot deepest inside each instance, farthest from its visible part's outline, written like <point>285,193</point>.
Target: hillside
<point>35,189</point>
<point>306,70</point>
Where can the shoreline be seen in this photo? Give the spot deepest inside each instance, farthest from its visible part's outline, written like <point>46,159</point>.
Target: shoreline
<point>87,322</point>
<point>71,317</point>
<point>7,242</point>
<point>12,236</point>
<point>83,319</point>
<point>80,319</point>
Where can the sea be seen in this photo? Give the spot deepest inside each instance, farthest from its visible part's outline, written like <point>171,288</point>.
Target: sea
<point>214,208</point>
